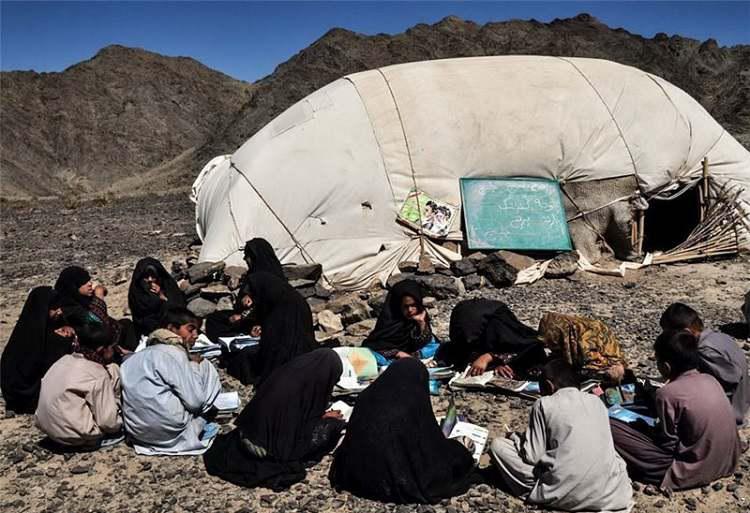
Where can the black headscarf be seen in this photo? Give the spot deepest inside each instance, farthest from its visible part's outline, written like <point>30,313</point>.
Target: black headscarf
<point>145,306</point>
<point>75,306</point>
<point>394,450</point>
<point>31,350</point>
<point>393,331</point>
<point>262,258</point>
<point>285,320</point>
<point>281,419</point>
<point>479,326</point>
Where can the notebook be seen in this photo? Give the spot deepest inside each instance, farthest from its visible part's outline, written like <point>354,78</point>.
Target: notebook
<point>227,402</point>
<point>238,343</point>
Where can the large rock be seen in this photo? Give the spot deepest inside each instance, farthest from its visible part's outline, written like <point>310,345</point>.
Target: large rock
<point>564,264</point>
<point>201,307</point>
<point>361,328</point>
<point>303,272</point>
<point>395,278</point>
<point>205,271</point>
<point>441,287</point>
<point>329,322</point>
<point>189,290</point>
<point>351,308</point>
<point>425,265</point>
<point>497,271</point>
<point>215,291</point>
<point>233,276</point>
<point>464,267</point>
<point>225,303</point>
<point>517,261</point>
<point>301,283</point>
<point>376,302</point>
<point>408,267</point>
<point>322,290</point>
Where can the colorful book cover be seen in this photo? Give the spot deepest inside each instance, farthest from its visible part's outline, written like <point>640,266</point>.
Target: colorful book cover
<point>436,216</point>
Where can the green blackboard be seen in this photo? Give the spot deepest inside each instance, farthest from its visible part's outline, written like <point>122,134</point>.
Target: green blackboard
<point>514,213</point>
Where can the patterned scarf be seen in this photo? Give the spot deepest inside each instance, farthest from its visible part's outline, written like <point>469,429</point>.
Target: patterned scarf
<point>164,336</point>
<point>91,355</point>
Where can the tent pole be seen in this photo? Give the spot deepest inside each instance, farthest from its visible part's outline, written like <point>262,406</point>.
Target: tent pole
<point>641,230</point>
<point>704,189</point>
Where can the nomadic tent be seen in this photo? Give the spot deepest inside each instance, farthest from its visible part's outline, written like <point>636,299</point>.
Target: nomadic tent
<point>324,181</point>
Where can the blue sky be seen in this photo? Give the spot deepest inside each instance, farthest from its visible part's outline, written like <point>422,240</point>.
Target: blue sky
<point>247,40</point>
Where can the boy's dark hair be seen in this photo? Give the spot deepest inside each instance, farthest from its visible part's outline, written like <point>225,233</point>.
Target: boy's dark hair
<point>561,374</point>
<point>178,316</point>
<point>679,316</point>
<point>94,336</point>
<point>678,348</point>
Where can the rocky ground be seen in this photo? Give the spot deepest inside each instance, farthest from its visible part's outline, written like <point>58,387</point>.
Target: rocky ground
<point>37,242</point>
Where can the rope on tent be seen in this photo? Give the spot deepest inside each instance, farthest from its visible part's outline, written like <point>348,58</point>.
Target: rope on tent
<point>588,223</point>
<point>587,212</point>
<point>724,230</point>
<point>611,115</point>
<point>411,162</point>
<point>303,252</point>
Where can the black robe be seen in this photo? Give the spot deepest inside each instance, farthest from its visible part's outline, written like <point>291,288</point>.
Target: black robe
<point>286,326</point>
<point>479,326</point>
<point>31,350</point>
<point>261,258</point>
<point>394,450</point>
<point>147,308</point>
<point>77,308</point>
<point>393,332</point>
<point>284,418</point>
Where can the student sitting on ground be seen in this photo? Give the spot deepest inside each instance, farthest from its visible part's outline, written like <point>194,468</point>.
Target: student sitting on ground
<point>284,428</point>
<point>566,459</point>
<point>286,328</point>
<point>403,327</point>
<point>166,391</point>
<point>719,355</point>
<point>40,338</point>
<point>260,257</point>
<point>586,344</point>
<point>394,450</point>
<point>236,322</point>
<point>152,292</point>
<point>79,402</point>
<point>83,303</point>
<point>486,334</point>
<point>695,440</point>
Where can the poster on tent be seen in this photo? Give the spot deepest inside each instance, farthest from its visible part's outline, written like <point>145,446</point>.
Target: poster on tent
<point>436,217</point>
<point>514,213</point>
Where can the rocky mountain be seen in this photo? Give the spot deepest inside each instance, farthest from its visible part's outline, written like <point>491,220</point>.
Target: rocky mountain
<point>719,78</point>
<point>129,117</point>
<point>119,115</point>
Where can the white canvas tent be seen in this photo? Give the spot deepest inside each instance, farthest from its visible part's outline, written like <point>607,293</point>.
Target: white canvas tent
<point>324,181</point>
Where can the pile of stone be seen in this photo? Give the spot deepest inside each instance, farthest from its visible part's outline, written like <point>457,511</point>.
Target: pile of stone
<point>347,317</point>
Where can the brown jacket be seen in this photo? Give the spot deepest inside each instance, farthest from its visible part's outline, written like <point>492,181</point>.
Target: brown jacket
<point>79,401</point>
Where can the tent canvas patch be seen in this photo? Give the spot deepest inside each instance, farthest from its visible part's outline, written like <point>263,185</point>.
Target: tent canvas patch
<point>436,216</point>
<point>514,213</point>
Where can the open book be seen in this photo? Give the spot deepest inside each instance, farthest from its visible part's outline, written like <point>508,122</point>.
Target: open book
<point>628,415</point>
<point>344,408</point>
<point>476,434</point>
<point>204,347</point>
<point>490,381</point>
<point>238,343</point>
<point>227,402</point>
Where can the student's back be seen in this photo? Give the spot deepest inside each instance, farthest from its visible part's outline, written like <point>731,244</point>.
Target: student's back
<point>702,430</point>
<point>578,467</point>
<point>721,357</point>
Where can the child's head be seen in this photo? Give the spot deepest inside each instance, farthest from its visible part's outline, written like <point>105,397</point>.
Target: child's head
<point>679,316</point>
<point>93,338</point>
<point>557,374</point>
<point>184,323</point>
<point>676,352</point>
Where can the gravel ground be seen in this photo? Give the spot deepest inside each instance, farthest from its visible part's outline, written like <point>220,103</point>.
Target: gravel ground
<point>37,242</point>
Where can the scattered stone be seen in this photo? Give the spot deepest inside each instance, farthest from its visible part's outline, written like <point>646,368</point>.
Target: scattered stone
<point>330,322</point>
<point>301,283</point>
<point>322,290</point>
<point>691,503</point>
<point>233,275</point>
<point>408,267</point>
<point>16,457</point>
<point>473,282</point>
<point>310,272</point>
<point>660,503</point>
<point>732,487</point>
<point>80,469</point>
<point>497,271</point>
<point>215,291</point>
<point>179,268</point>
<point>440,287</point>
<point>307,292</point>
<point>516,260</point>
<point>376,302</point>
<point>651,491</point>
<point>361,328</point>
<point>204,271</point>
<point>429,302</point>
<point>717,486</point>
<point>564,264</point>
<point>201,307</point>
<point>225,303</point>
<point>425,265</point>
<point>464,267</point>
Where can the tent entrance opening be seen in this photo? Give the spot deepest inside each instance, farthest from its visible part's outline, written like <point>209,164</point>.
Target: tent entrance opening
<point>669,222</point>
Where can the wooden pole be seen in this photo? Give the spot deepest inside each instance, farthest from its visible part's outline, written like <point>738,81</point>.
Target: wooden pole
<point>641,227</point>
<point>704,190</point>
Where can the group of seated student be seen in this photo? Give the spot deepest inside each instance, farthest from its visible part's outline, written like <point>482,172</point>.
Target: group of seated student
<point>61,363</point>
